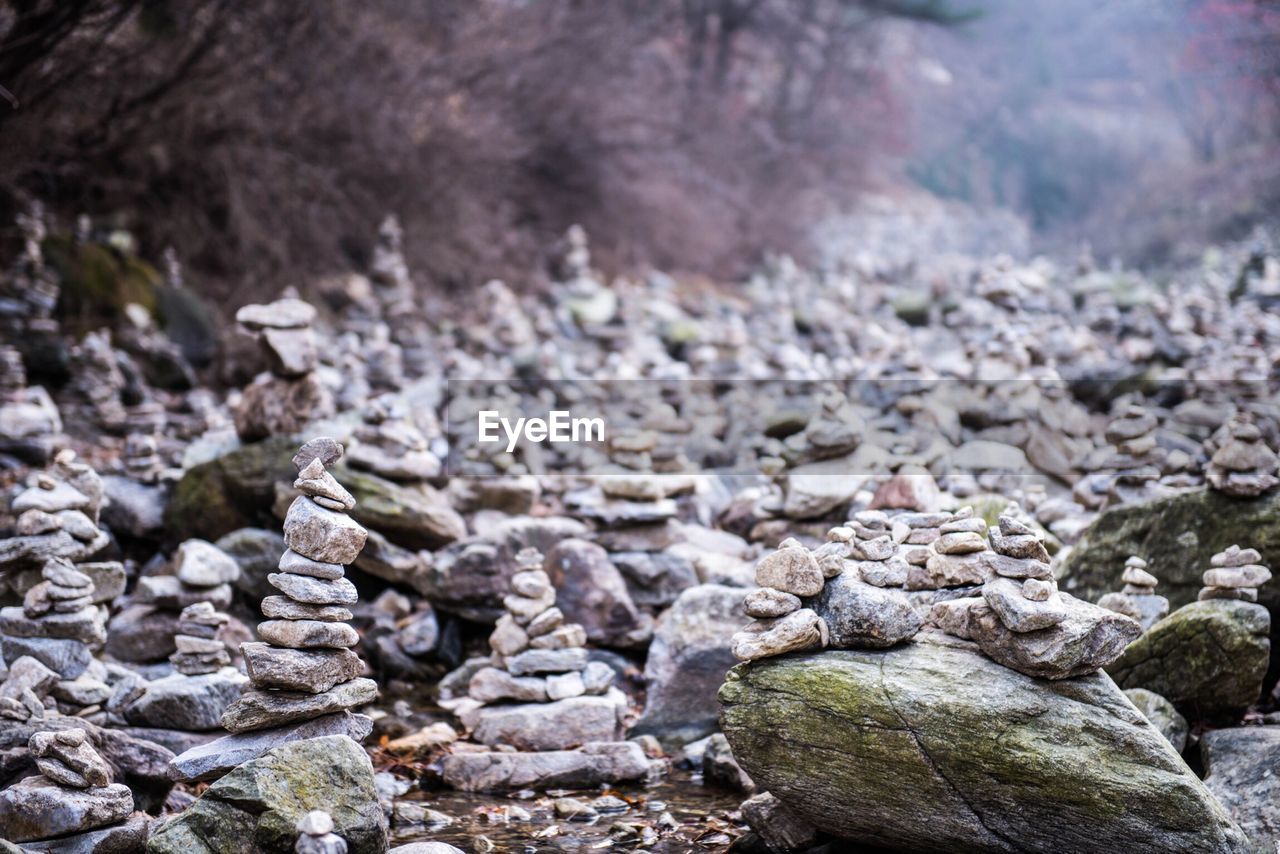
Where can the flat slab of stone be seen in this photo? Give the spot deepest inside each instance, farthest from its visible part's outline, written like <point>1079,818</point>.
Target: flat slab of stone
<point>936,748</point>
<point>551,726</point>
<point>67,658</point>
<point>312,671</point>
<point>260,709</point>
<point>129,835</point>
<point>193,703</point>
<point>213,759</point>
<point>37,808</point>
<point>592,765</point>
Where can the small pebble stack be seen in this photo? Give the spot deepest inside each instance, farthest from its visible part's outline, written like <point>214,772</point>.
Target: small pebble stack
<point>1137,459</point>
<point>874,549</point>
<point>305,668</point>
<point>1235,574</point>
<point>1243,467</point>
<point>1138,599</point>
<point>284,399</point>
<point>72,793</point>
<point>316,835</point>
<point>1024,595</point>
<point>781,625</point>
<point>199,649</point>
<point>391,446</point>
<point>537,656</point>
<point>203,573</point>
<point>57,624</point>
<point>954,555</point>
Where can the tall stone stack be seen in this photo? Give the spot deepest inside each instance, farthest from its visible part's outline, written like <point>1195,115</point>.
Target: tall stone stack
<point>954,554</point>
<point>1234,574</point>
<point>1138,599</point>
<point>289,395</point>
<point>1137,459</point>
<point>305,666</point>
<point>1243,466</point>
<point>71,794</point>
<point>99,381</point>
<point>57,624</point>
<point>199,650</point>
<point>542,696</point>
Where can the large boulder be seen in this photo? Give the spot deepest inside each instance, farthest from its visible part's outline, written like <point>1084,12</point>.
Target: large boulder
<point>1240,768</point>
<point>592,592</point>
<point>1177,536</point>
<point>930,747</point>
<point>416,517</point>
<point>688,659</point>
<point>256,807</point>
<point>1207,658</point>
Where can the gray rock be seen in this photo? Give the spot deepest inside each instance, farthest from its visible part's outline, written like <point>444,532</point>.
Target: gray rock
<point>655,579</point>
<point>719,768</point>
<point>1017,612</point>
<point>136,509</point>
<point>492,684</point>
<point>312,671</point>
<point>1240,768</point>
<point>194,703</point>
<point>108,579</point>
<point>320,534</point>
<point>428,848</point>
<point>257,551</point>
<point>764,603</point>
<point>296,564</point>
<point>1162,714</point>
<point>798,630</point>
<point>308,634</point>
<point>323,448</point>
<point>259,709</point>
<point>536,661</point>
<point>777,824</point>
<point>37,808</point>
<point>167,592</point>
<point>551,726</point>
<point>200,563</point>
<point>142,633</point>
<point>85,625</point>
<point>314,591</point>
<point>257,806</point>
<point>591,765</point>
<point>67,658</point>
<point>129,835</point>
<point>880,730</point>
<point>792,570</point>
<point>284,608</point>
<point>215,758</point>
<point>593,593</point>
<point>860,615</point>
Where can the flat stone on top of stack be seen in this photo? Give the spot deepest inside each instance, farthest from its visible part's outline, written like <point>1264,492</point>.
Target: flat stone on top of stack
<point>1244,466</point>
<point>72,793</point>
<point>1235,574</point>
<point>781,625</point>
<point>1024,622</point>
<point>537,656</point>
<point>305,667</point>
<point>1138,599</point>
<point>199,649</point>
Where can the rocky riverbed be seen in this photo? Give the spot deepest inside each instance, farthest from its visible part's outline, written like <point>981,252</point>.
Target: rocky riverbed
<point>956,554</point>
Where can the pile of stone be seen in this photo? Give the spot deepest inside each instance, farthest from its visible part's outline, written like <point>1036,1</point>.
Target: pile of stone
<point>1138,599</point>
<point>955,554</point>
<point>199,650</point>
<point>97,378</point>
<point>72,794</point>
<point>57,517</point>
<point>1234,574</point>
<point>780,625</point>
<point>30,425</point>
<point>57,624</point>
<point>389,445</point>
<point>874,548</point>
<point>835,431</point>
<point>581,294</point>
<point>289,395</point>
<point>1024,622</point>
<point>316,836</point>
<point>1243,466</point>
<point>146,630</point>
<point>141,458</point>
<point>544,697</point>
<point>1137,459</point>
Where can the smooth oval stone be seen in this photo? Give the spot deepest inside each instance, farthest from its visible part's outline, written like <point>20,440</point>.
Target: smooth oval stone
<point>307,634</point>
<point>314,591</point>
<point>293,562</point>
<point>284,608</point>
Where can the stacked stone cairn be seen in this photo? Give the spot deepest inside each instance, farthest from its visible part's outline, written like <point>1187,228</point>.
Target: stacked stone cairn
<point>289,395</point>
<point>203,574</point>
<point>316,836</point>
<point>141,458</point>
<point>1234,574</point>
<point>57,624</point>
<point>1024,622</point>
<point>30,423</point>
<point>1243,466</point>
<point>305,667</point>
<point>1137,460</point>
<point>953,554</point>
<point>391,446</point>
<point>780,625</point>
<point>199,650</point>
<point>99,380</point>
<point>57,517</point>
<point>1138,599</point>
<point>836,430</point>
<point>543,697</point>
<point>71,794</point>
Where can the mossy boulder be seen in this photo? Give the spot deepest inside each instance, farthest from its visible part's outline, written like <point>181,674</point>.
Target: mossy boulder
<point>98,280</point>
<point>927,747</point>
<point>416,517</point>
<point>255,807</point>
<point>1207,658</point>
<point>230,492</point>
<point>1177,536</point>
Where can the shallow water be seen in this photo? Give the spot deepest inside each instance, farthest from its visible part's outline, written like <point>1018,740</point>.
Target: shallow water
<point>482,823</point>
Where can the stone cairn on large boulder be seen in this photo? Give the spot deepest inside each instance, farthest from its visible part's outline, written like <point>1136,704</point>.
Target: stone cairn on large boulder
<point>779,624</point>
<point>57,624</point>
<point>1024,622</point>
<point>1138,599</point>
<point>305,666</point>
<point>72,793</point>
<point>1243,466</point>
<point>289,395</point>
<point>542,696</point>
<point>1234,574</point>
<point>316,836</point>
